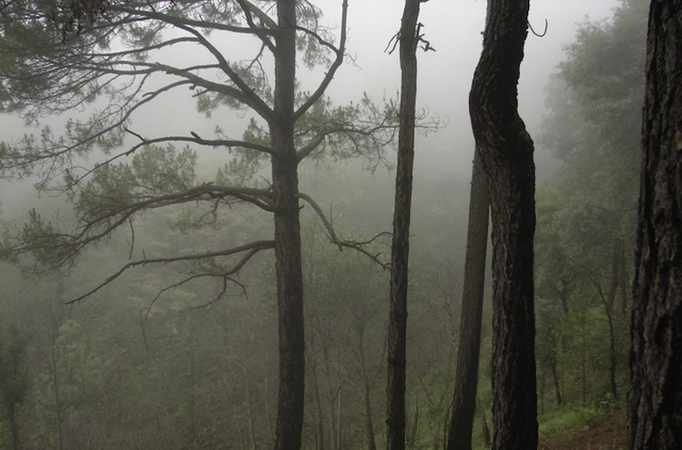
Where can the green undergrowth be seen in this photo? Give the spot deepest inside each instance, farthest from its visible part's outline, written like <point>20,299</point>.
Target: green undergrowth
<point>562,422</point>
<point>567,420</point>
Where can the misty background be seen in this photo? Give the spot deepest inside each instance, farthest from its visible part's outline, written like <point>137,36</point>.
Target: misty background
<point>139,366</point>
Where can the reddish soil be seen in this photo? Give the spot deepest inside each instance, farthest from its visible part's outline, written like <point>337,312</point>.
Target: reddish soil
<point>607,433</point>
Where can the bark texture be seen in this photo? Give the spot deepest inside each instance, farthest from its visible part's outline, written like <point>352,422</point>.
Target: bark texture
<point>466,383</point>
<point>289,273</point>
<point>400,247</point>
<point>506,152</point>
<point>654,413</point>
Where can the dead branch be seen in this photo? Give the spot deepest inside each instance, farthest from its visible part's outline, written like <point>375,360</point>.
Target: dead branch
<point>251,249</point>
<point>358,246</point>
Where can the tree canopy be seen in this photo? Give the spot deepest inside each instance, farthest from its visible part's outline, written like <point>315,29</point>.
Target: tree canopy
<point>586,212</point>
<point>108,64</point>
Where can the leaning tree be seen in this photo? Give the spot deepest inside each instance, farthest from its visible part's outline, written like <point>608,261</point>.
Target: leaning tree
<point>108,63</point>
<point>506,152</point>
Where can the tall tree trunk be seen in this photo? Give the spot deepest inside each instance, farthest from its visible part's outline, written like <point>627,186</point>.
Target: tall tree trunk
<point>506,152</point>
<point>397,325</point>
<point>464,399</point>
<point>287,237</point>
<point>654,418</point>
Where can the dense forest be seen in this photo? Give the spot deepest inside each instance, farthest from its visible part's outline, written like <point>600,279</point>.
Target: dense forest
<point>144,303</point>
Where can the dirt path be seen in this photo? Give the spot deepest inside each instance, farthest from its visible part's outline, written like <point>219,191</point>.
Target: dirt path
<point>608,433</point>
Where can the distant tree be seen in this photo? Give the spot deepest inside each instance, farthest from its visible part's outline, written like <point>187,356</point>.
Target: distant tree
<point>14,382</point>
<point>654,419</point>
<point>506,152</point>
<point>120,60</point>
<point>466,383</point>
<point>587,211</point>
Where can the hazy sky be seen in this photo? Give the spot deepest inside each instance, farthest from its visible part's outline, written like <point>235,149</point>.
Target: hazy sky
<point>453,27</point>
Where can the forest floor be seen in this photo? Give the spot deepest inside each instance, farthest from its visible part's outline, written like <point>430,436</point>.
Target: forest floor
<point>605,433</point>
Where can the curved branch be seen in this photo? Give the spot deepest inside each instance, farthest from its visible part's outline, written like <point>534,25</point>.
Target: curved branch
<point>358,246</point>
<point>65,247</point>
<point>340,53</point>
<point>243,94</point>
<point>249,11</point>
<point>184,22</point>
<point>226,276</point>
<point>246,94</point>
<point>540,35</point>
<point>195,138</point>
<point>252,248</point>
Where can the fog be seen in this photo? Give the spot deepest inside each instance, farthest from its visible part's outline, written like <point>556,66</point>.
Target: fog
<point>164,370</point>
<point>453,28</point>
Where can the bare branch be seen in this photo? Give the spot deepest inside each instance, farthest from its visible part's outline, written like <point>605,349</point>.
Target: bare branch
<point>195,138</point>
<point>63,248</point>
<point>245,93</point>
<point>251,249</point>
<point>225,275</point>
<point>359,246</point>
<point>185,22</point>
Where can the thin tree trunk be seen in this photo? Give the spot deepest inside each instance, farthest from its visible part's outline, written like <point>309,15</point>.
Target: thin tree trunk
<point>484,423</point>
<point>654,418</point>
<point>191,385</point>
<point>14,425</point>
<point>464,398</point>
<point>369,424</point>
<point>506,152</point>
<point>583,360</point>
<point>249,407</point>
<point>615,275</point>
<point>290,403</point>
<point>411,436</point>
<point>397,326</point>
<point>318,405</point>
<point>366,393</point>
<point>337,436</point>
<point>613,354</point>
<point>555,379</point>
<point>622,288</point>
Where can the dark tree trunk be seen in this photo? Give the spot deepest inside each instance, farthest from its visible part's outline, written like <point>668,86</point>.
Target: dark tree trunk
<point>397,325</point>
<point>654,414</point>
<point>506,152</point>
<point>464,399</point>
<point>555,379</point>
<point>290,400</point>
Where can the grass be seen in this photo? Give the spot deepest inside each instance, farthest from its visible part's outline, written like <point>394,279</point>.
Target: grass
<point>568,419</point>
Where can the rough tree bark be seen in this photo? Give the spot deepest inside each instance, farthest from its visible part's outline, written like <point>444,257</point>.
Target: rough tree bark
<point>506,152</point>
<point>397,320</point>
<point>464,398</point>
<point>287,237</point>
<point>654,414</point>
